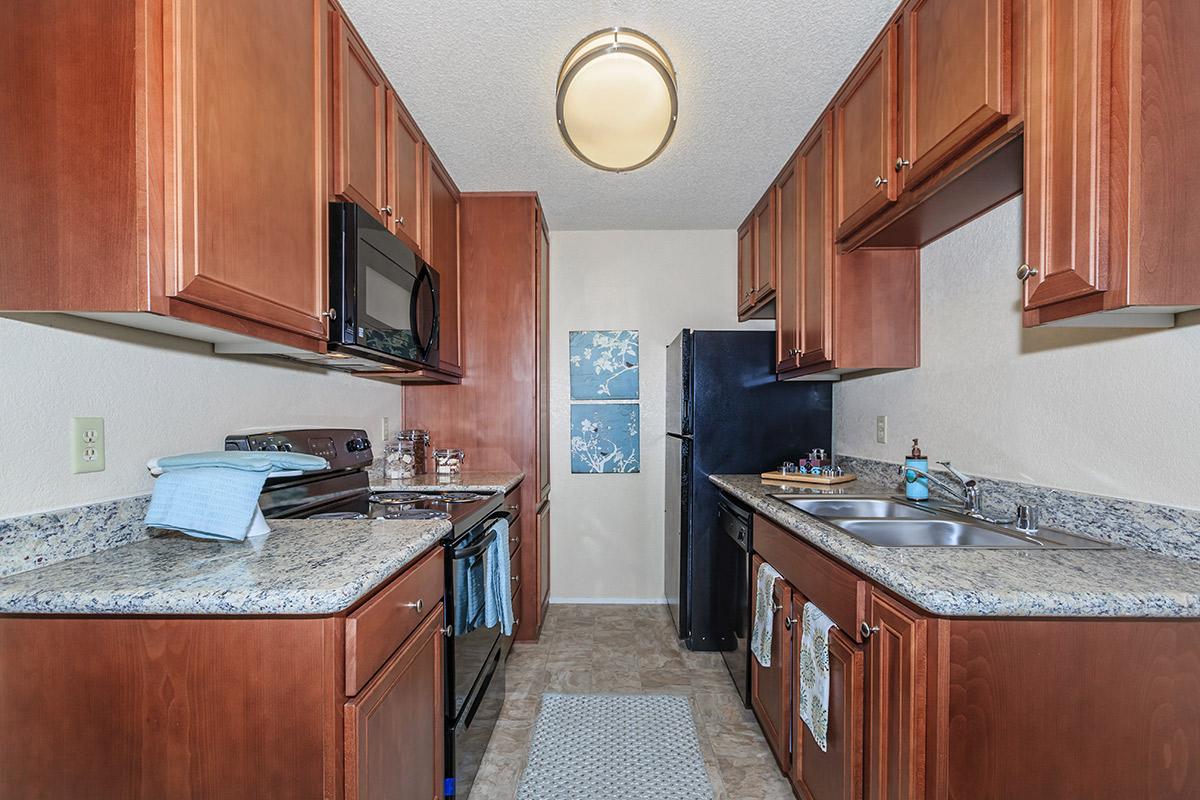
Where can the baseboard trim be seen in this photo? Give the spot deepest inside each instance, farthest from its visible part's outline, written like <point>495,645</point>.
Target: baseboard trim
<point>613,601</point>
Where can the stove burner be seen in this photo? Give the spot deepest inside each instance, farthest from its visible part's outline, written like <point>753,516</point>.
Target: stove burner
<point>416,513</point>
<point>340,515</point>
<point>454,497</point>
<point>396,498</point>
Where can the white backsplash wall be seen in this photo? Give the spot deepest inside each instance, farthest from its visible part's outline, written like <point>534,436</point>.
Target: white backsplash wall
<point>157,394</point>
<point>1111,412</point>
<point>607,530</point>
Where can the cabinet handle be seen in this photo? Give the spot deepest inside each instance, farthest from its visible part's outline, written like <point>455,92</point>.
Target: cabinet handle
<point>901,163</point>
<point>331,313</point>
<point>418,606</point>
<point>386,211</point>
<point>788,622</point>
<point>515,578</point>
<point>776,607</point>
<point>1025,272</point>
<point>880,181</point>
<point>866,630</point>
<point>513,540</point>
<point>400,220</point>
<point>793,351</point>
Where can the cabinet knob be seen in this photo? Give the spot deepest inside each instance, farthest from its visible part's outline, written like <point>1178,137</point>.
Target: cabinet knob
<point>866,630</point>
<point>418,606</point>
<point>788,622</point>
<point>514,578</point>
<point>386,211</point>
<point>400,220</point>
<point>901,163</point>
<point>513,540</point>
<point>880,181</point>
<point>1025,272</point>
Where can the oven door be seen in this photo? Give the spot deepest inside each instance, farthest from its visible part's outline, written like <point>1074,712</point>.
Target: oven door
<point>473,640</point>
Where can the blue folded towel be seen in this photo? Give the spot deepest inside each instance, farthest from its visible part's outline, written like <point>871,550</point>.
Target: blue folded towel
<point>497,602</point>
<point>215,495</point>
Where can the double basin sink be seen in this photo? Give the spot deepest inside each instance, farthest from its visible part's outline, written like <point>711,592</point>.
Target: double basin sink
<point>886,522</point>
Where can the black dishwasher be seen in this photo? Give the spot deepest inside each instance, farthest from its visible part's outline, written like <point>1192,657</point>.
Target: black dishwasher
<point>735,548</point>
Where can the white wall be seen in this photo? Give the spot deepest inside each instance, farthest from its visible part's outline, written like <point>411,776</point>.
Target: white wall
<point>608,529</point>
<point>158,395</point>
<point>1106,412</point>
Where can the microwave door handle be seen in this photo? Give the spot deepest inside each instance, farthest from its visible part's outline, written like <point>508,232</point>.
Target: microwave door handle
<point>412,311</point>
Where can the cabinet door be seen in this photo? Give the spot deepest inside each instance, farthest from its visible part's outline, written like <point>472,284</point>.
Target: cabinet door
<point>360,123</point>
<point>405,174</point>
<point>788,292</point>
<point>1063,157</point>
<point>764,247</point>
<point>249,222</point>
<point>956,79</point>
<point>896,735</point>
<point>443,255</point>
<point>746,264</point>
<point>771,687</point>
<point>835,773</point>
<point>543,557</point>
<point>394,727</point>
<point>865,126</point>
<point>543,359</point>
<point>816,245</point>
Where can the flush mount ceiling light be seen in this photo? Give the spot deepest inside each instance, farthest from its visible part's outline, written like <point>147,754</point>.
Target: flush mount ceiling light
<point>616,99</point>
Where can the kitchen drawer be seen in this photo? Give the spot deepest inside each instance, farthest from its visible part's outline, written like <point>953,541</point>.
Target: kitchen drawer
<point>381,625</point>
<point>514,533</point>
<point>836,590</point>
<point>514,571</point>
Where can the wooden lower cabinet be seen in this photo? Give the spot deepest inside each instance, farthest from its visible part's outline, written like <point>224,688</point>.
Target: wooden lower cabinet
<point>543,557</point>
<point>835,773</point>
<point>394,742</point>
<point>771,687</point>
<point>896,731</point>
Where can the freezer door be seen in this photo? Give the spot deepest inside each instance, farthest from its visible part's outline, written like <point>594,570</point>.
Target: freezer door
<point>675,539</point>
<point>679,382</point>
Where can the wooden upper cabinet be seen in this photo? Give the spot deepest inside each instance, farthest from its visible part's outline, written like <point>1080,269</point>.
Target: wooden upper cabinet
<point>789,269</point>
<point>394,727</point>
<point>865,123</point>
<point>835,773</point>
<point>405,174</point>
<point>764,248</point>
<point>896,732</point>
<point>745,264</point>
<point>815,168</point>
<point>955,82</point>
<point>360,123</point>
<point>442,253</point>
<point>240,161</point>
<point>771,687</point>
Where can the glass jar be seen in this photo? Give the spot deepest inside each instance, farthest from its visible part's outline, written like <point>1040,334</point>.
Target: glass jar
<point>399,461</point>
<point>448,460</point>
<point>420,442</point>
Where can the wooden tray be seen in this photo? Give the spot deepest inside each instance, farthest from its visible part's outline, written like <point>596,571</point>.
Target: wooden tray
<point>796,477</point>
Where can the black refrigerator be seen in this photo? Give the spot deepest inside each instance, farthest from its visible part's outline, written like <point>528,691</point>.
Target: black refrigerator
<point>726,414</point>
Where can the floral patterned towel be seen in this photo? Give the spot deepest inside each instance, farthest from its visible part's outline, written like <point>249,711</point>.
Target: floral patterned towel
<point>814,672</point>
<point>764,611</point>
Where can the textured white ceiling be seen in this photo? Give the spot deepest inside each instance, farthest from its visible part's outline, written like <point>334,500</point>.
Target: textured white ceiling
<point>479,78</point>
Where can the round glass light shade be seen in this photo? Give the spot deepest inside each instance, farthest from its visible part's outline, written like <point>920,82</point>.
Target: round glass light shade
<point>616,99</point>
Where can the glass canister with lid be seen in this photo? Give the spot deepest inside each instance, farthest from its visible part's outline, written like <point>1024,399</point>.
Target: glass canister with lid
<point>448,460</point>
<point>420,443</point>
<point>399,460</point>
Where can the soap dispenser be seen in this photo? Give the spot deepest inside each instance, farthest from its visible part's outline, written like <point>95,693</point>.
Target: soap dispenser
<point>916,485</point>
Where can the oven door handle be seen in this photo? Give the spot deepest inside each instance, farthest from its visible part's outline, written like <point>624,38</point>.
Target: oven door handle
<point>488,538</point>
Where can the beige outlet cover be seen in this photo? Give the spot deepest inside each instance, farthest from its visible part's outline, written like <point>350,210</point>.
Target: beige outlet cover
<point>87,444</point>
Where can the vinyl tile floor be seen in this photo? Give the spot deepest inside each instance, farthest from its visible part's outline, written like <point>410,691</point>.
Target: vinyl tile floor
<point>628,649</point>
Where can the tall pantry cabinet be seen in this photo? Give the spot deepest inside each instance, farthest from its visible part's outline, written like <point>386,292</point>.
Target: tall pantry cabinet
<point>500,414</point>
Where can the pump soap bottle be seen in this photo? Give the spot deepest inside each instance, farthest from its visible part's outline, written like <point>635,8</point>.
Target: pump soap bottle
<point>916,486</point>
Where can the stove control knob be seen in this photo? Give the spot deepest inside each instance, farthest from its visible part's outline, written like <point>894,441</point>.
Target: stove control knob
<point>355,445</point>
<point>272,446</point>
<point>287,446</point>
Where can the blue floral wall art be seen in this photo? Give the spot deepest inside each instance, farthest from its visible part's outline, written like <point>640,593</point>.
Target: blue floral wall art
<point>605,437</point>
<point>604,365</point>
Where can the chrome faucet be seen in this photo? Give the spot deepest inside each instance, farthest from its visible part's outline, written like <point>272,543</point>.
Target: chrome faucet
<point>969,491</point>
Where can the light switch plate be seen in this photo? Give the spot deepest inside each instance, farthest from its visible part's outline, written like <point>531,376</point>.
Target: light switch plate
<point>881,430</point>
<point>87,444</point>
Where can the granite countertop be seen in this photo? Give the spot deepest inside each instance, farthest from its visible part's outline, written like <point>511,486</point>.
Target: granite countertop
<point>301,567</point>
<point>1012,583</point>
<point>464,482</point>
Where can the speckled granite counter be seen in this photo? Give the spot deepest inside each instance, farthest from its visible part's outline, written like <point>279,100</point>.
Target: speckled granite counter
<point>464,482</point>
<point>301,567</point>
<point>965,583</point>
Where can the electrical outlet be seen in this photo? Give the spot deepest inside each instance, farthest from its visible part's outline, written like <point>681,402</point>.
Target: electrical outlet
<point>87,444</point>
<point>385,430</point>
<point>881,430</point>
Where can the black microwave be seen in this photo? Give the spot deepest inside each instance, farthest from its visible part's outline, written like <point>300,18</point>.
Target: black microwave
<point>383,299</point>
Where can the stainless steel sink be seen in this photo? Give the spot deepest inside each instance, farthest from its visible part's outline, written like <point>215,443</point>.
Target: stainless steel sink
<point>932,532</point>
<point>855,507</point>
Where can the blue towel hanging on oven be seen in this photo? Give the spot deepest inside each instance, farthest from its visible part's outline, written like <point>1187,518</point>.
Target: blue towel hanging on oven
<point>497,603</point>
